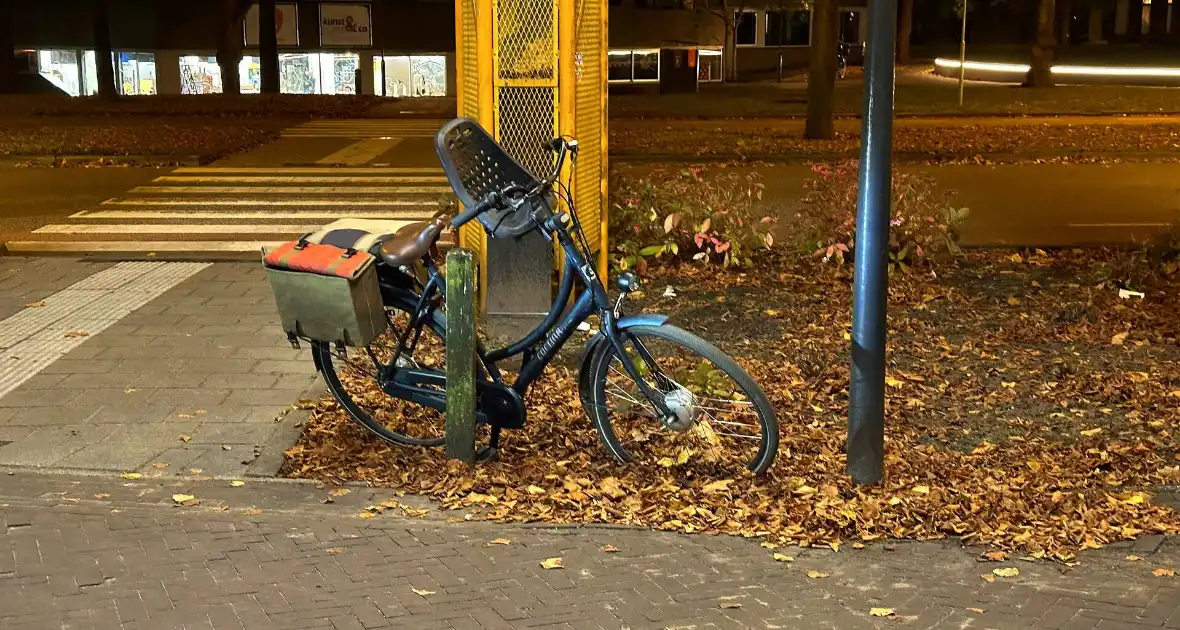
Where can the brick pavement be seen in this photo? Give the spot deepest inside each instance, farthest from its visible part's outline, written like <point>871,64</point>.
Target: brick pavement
<point>205,360</point>
<point>102,553</point>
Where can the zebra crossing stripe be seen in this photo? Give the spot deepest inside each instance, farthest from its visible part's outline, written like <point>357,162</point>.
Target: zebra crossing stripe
<point>311,170</point>
<point>284,190</point>
<point>361,151</point>
<point>185,228</point>
<point>335,203</point>
<point>298,179</point>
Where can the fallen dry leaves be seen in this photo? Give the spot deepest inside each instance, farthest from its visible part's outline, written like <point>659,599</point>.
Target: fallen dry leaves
<point>957,142</point>
<point>1164,572</point>
<point>552,563</point>
<point>1020,468</point>
<point>184,499</point>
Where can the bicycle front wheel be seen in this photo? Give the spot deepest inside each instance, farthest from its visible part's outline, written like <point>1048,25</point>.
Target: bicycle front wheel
<point>721,416</point>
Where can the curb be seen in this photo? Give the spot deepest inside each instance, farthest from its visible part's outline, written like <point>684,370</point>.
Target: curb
<point>898,158</point>
<point>65,161</point>
<point>849,116</point>
<point>271,457</point>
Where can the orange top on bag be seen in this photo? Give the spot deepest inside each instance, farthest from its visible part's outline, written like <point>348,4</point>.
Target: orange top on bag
<point>325,260</point>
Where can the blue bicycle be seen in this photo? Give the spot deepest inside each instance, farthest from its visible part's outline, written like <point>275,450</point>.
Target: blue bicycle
<point>652,390</point>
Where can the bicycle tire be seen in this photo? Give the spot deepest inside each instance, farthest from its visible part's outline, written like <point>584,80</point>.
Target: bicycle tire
<point>601,417</point>
<point>323,357</point>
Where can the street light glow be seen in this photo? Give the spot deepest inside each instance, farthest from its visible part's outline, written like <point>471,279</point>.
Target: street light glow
<point>1094,71</point>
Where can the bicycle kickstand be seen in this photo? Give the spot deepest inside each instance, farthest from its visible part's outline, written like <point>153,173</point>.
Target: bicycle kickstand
<point>492,450</point>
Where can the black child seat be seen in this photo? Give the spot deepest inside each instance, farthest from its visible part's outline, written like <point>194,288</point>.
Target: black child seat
<point>476,166</point>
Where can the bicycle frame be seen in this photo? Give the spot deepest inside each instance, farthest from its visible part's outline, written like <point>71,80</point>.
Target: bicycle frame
<point>540,345</point>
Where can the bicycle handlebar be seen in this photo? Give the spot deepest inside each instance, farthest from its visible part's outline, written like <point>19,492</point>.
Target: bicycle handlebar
<point>496,199</point>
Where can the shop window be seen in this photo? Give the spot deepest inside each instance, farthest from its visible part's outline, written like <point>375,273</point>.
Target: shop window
<point>647,65</point>
<point>619,65</point>
<point>419,75</point>
<point>60,67</point>
<point>250,75</point>
<point>89,74</point>
<point>199,75</point>
<point>747,27</point>
<point>136,73</point>
<point>709,66</point>
<point>318,73</point>
<point>633,66</point>
<point>788,28</point>
<point>799,29</point>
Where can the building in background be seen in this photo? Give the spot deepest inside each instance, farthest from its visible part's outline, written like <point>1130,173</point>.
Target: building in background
<point>402,48</point>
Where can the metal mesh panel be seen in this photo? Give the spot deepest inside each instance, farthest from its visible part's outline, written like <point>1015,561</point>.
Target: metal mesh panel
<point>589,117</point>
<point>471,235</point>
<point>469,107</point>
<point>525,124</point>
<point>526,37</point>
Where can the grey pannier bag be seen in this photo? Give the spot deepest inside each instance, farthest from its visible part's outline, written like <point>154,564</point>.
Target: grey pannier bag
<point>326,293</point>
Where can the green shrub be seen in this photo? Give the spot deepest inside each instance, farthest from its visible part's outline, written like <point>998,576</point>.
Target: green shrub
<point>924,225</point>
<point>687,215</point>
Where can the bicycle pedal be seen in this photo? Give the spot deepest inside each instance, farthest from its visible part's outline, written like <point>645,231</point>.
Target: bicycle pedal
<point>487,454</point>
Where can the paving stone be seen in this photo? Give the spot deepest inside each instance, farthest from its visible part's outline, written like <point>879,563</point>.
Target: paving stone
<point>240,434</point>
<point>156,368</point>
<point>48,445</point>
<point>129,447</point>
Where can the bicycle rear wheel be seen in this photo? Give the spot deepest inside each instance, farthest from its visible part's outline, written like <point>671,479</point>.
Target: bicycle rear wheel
<point>355,380</point>
<point>722,416</point>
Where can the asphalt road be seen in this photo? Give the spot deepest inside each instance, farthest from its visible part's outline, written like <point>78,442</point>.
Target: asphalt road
<point>1014,205</point>
<point>32,197</point>
<point>1036,205</point>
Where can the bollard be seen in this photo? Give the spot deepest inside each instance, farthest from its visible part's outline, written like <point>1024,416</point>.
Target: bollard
<point>461,356</point>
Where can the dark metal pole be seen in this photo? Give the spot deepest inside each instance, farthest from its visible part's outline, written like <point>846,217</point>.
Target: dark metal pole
<point>866,409</point>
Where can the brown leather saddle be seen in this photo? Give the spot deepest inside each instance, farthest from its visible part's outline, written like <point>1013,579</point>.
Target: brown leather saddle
<point>414,241</point>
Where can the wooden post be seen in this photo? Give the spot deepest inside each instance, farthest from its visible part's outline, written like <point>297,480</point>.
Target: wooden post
<point>461,318</point>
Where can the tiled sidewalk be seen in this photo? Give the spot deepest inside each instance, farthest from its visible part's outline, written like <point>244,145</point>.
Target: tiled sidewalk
<point>195,376</point>
<point>104,553</point>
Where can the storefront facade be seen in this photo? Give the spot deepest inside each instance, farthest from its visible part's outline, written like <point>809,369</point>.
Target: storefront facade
<point>326,47</point>
<point>397,48</point>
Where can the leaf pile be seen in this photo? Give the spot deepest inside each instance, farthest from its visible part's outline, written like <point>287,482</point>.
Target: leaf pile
<point>152,137</point>
<point>1011,418</point>
<point>201,105</point>
<point>951,142</point>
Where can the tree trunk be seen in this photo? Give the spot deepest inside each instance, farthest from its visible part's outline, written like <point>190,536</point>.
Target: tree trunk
<point>905,27</point>
<point>103,51</point>
<point>1064,22</point>
<point>268,46</point>
<point>7,46</point>
<point>1157,26</point>
<point>730,56</point>
<point>821,73</point>
<point>1134,21</point>
<point>229,45</point>
<point>1041,61</point>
